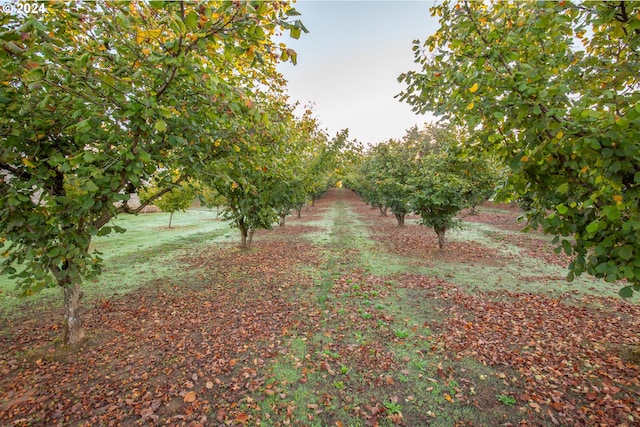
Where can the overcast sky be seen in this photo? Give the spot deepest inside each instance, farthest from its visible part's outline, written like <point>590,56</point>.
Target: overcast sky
<point>349,62</point>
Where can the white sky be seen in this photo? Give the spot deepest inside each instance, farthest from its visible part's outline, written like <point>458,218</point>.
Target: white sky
<point>349,62</point>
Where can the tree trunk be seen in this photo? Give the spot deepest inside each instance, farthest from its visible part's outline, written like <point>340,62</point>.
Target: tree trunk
<point>440,233</point>
<point>383,211</point>
<point>282,220</point>
<point>243,234</point>
<point>299,210</point>
<point>170,218</point>
<point>400,219</point>
<point>474,210</point>
<point>72,327</point>
<point>250,238</point>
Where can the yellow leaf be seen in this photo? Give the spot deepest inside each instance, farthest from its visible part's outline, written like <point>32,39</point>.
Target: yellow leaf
<point>234,185</point>
<point>148,34</point>
<point>140,36</point>
<point>524,159</point>
<point>448,397</point>
<point>470,105</point>
<point>559,135</point>
<point>217,143</point>
<point>146,51</point>
<point>28,163</point>
<point>618,199</point>
<point>474,88</point>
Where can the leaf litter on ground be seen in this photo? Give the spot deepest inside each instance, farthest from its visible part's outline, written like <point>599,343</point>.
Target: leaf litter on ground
<point>197,349</point>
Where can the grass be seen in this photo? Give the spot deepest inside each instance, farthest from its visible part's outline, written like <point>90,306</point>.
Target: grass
<point>132,259</point>
<point>408,389</point>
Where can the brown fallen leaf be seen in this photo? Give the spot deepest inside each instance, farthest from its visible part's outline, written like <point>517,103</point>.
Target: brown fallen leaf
<point>372,421</point>
<point>325,366</point>
<point>221,415</point>
<point>190,397</point>
<point>396,419</point>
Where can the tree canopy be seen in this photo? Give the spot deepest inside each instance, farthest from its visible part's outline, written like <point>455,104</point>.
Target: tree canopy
<point>95,97</point>
<point>427,173</point>
<point>552,89</point>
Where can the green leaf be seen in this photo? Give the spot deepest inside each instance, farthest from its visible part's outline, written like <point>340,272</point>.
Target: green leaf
<point>104,231</point>
<point>625,252</point>
<point>90,186</point>
<point>108,79</point>
<point>191,21</point>
<point>626,292</point>
<point>88,203</point>
<point>160,126</point>
<point>563,188</point>
<point>592,228</point>
<point>35,75</point>
<point>89,156</point>
<point>611,212</point>
<point>562,209</point>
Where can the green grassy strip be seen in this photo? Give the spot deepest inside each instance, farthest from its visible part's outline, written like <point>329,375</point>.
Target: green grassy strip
<point>145,253</point>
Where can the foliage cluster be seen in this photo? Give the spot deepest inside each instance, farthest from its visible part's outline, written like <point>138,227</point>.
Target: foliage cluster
<point>101,100</point>
<point>426,173</point>
<point>552,89</point>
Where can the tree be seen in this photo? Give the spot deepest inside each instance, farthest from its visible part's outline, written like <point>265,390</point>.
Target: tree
<point>364,182</point>
<point>288,193</point>
<point>317,158</point>
<point>304,165</point>
<point>96,97</point>
<point>248,176</point>
<point>552,89</point>
<point>209,197</point>
<point>444,186</point>
<point>400,175</point>
<point>438,197</point>
<point>247,203</point>
<point>447,179</point>
<point>387,169</point>
<point>178,198</point>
